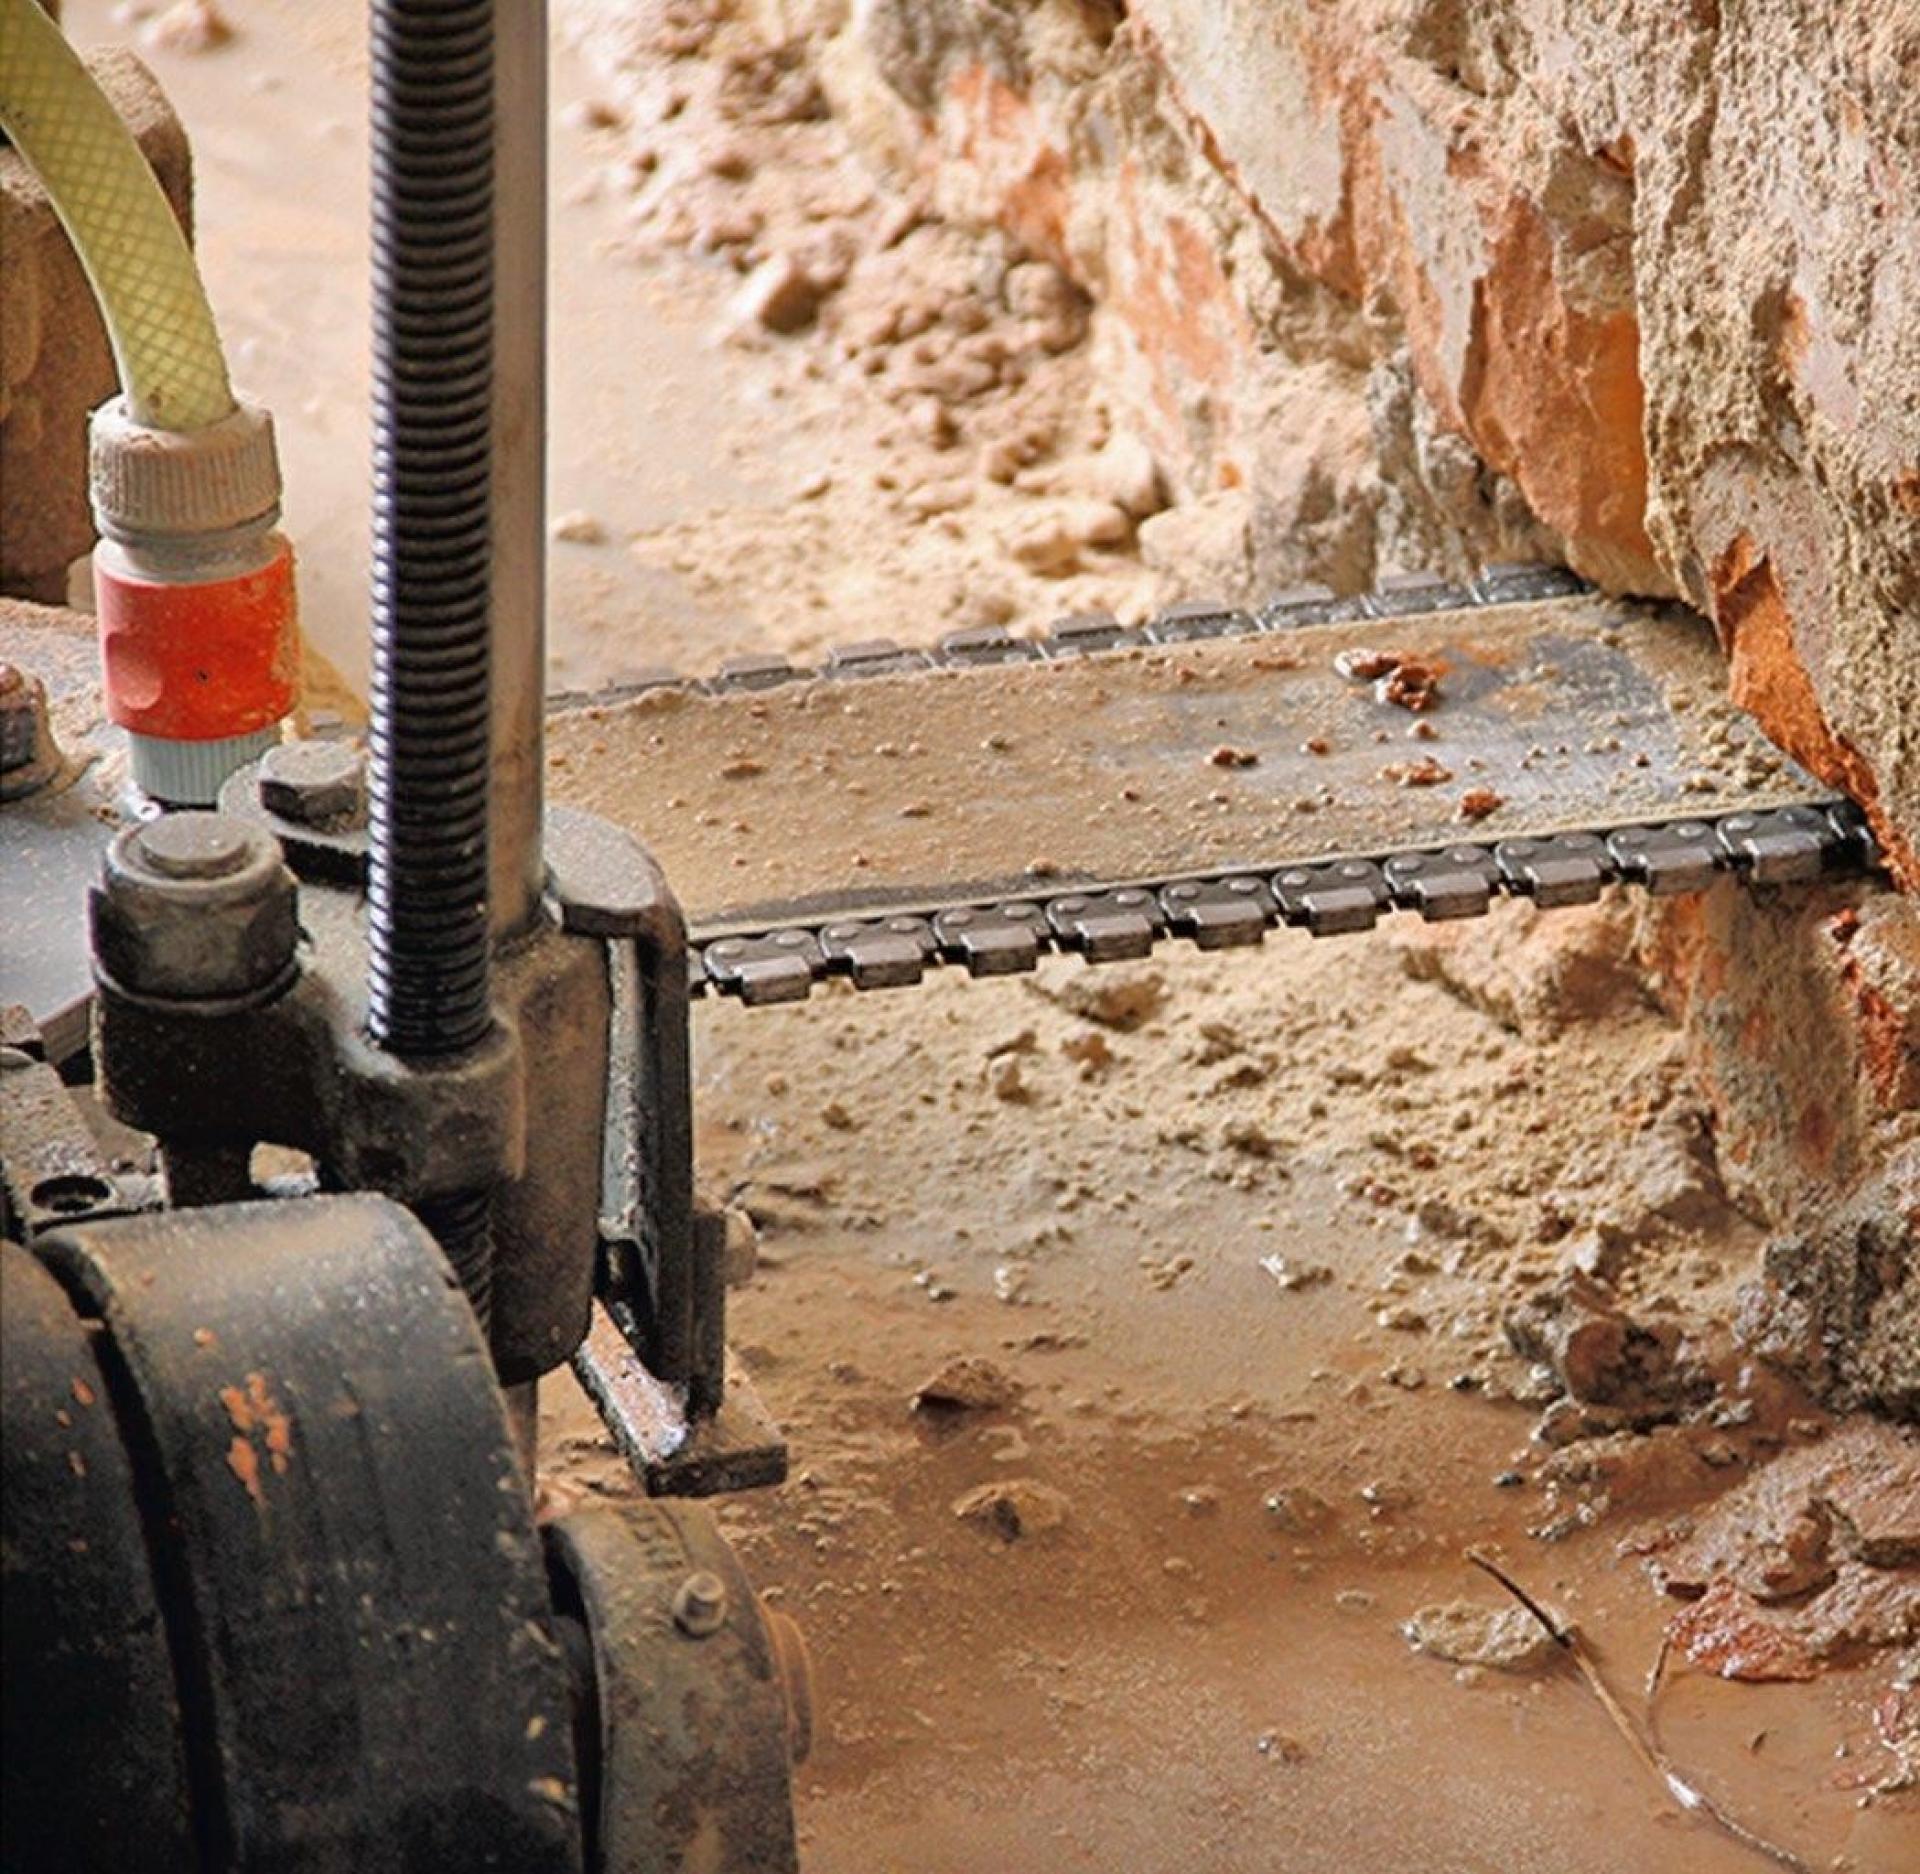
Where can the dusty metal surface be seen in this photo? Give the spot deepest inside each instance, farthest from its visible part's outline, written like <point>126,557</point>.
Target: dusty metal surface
<point>700,1704</point>
<point>991,798</point>
<point>344,1549</point>
<point>54,1169</point>
<point>907,791</point>
<point>51,841</point>
<point>675,1454</point>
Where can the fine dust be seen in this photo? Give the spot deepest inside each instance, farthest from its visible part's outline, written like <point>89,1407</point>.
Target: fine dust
<point>1150,1343</point>
<point>924,390</point>
<point>1141,1396</point>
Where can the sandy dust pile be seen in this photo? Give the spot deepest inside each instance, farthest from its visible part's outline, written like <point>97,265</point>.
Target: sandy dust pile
<point>964,469</point>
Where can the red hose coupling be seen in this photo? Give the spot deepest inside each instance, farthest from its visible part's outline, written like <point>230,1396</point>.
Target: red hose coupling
<point>199,659</point>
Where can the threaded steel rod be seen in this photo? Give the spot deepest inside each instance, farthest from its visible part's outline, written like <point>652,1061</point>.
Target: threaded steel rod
<point>432,173</point>
<point>432,163</point>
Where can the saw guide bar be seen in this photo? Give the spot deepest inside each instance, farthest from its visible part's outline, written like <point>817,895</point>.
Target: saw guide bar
<point>1211,775</point>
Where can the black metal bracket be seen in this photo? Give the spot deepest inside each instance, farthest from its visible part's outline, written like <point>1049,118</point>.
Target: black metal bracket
<point>654,1359</point>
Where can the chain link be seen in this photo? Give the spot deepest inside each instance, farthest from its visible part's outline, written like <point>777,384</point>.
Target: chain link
<point>1230,909</point>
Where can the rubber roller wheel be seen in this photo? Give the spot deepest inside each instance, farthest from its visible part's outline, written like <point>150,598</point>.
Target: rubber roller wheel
<point>701,1705</point>
<point>356,1596</point>
<point>93,1773</point>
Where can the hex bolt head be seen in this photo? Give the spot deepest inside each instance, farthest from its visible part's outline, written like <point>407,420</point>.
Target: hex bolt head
<point>190,846</point>
<point>194,906</point>
<point>700,1604</point>
<point>313,783</point>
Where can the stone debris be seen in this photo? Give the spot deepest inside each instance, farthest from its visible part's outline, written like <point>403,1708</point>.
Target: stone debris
<point>742,1247</point>
<point>1834,1530</point>
<point>1853,1496</point>
<point>966,1383</point>
<point>1538,973</point>
<point>1292,1275</point>
<point>1013,1508</point>
<point>1166,1274</point>
<point>188,26</point>
<point>1663,1180</point>
<point>1411,684</point>
<point>1090,1052</point>
<point>1815,1556</point>
<point>579,528</point>
<point>1125,473</point>
<point>1008,1081</point>
<point>1297,1508</point>
<point>1426,772</point>
<point>1054,542</point>
<point>1620,1467</point>
<point>1839,1302</point>
<point>1725,1632</point>
<point>1598,1352</point>
<point>792,1196</point>
<point>1281,1747</point>
<point>1202,546</point>
<point>1250,1139</point>
<point>1010,1283</point>
<point>1470,1633</point>
<point>778,296</point>
<point>1114,998</point>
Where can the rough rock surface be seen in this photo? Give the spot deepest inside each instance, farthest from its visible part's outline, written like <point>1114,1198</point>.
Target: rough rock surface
<point>1811,1558</point>
<point>1428,281</point>
<point>1599,1352</point>
<point>1840,1300</point>
<point>1801,1012</point>
<point>1469,1633</point>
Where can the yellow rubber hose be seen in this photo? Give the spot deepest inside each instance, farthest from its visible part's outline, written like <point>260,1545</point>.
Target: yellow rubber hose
<point>121,224</point>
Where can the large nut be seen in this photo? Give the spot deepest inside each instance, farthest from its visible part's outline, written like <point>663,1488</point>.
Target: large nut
<point>317,784</point>
<point>194,905</point>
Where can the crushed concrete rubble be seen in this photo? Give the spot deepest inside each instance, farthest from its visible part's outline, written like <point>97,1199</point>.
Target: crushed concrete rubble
<point>1470,1633</point>
<point>1815,1556</point>
<point>1115,998</point>
<point>1600,1353</point>
<point>1013,1508</point>
<point>941,370</point>
<point>966,1383</point>
<point>1239,1237</point>
<point>1544,271</point>
<point>1839,1301</point>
